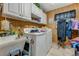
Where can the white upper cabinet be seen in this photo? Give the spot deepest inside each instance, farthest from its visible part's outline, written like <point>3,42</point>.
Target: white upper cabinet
<point>21,10</point>
<point>35,10</point>
<point>26,10</point>
<point>11,9</point>
<point>39,12</point>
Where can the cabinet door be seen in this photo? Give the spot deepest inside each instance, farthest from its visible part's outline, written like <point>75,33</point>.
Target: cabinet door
<point>11,9</point>
<point>26,11</point>
<point>43,18</point>
<point>36,11</point>
<point>41,45</point>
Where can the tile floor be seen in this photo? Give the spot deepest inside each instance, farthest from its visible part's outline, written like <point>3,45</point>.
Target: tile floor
<point>55,51</point>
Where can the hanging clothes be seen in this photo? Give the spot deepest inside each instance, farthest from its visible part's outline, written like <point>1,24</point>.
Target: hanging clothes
<point>75,24</point>
<point>69,29</point>
<point>61,30</point>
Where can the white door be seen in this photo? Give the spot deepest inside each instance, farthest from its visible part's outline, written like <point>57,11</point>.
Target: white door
<point>26,11</point>
<point>11,9</point>
<point>49,39</point>
<point>40,45</point>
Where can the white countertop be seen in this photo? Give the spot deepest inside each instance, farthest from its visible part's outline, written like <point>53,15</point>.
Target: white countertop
<point>4,42</point>
<point>41,33</point>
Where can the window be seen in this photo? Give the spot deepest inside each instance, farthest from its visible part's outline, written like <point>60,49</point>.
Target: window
<point>68,14</point>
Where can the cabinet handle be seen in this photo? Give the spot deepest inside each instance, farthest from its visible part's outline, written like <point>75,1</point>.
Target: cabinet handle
<point>32,41</point>
<point>20,14</point>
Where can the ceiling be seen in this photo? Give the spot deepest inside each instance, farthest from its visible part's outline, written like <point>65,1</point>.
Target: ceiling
<point>51,6</point>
